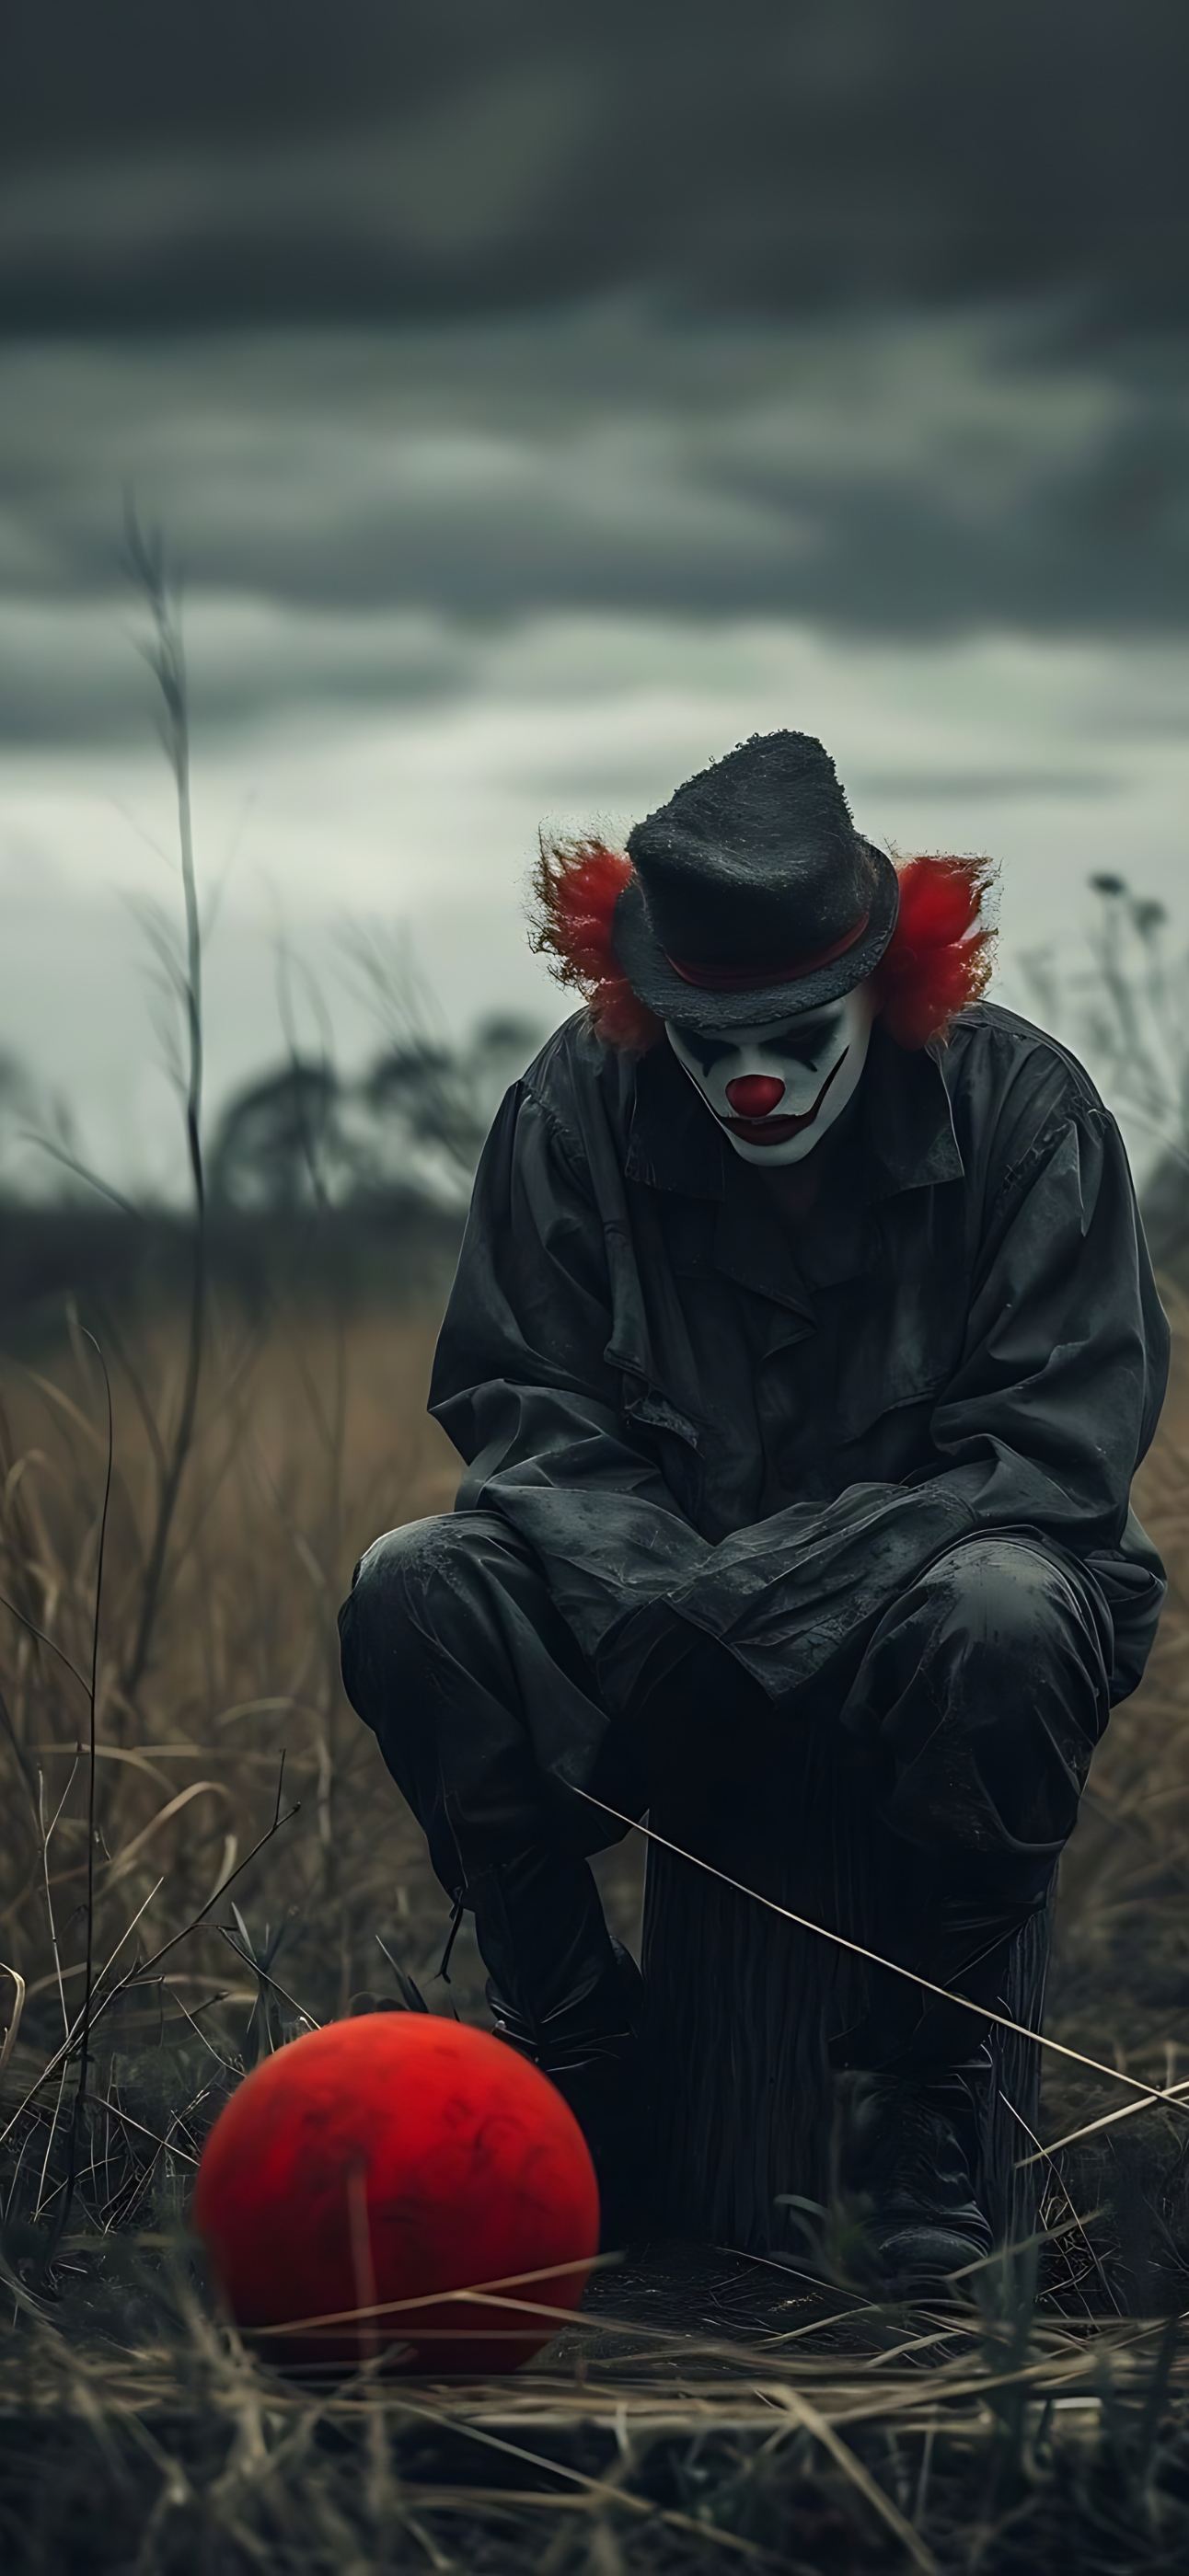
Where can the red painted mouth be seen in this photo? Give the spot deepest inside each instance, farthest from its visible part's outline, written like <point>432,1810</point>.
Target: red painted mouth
<point>776,1131</point>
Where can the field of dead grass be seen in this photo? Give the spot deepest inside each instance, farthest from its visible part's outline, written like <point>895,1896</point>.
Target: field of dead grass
<point>233,1862</point>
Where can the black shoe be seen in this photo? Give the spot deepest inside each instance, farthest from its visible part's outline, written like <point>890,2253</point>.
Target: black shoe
<point>911,2152</point>
<point>569,1998</point>
<point>598,2070</point>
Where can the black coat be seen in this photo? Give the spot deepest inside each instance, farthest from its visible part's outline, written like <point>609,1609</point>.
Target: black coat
<point>677,1395</point>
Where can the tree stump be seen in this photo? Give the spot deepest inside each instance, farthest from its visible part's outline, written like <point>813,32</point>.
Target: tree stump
<point>740,2007</point>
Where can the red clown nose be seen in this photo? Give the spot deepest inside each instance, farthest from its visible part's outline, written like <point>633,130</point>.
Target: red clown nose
<point>754,1095</point>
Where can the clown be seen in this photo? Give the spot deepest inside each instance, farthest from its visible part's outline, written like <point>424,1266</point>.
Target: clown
<point>801,1353</point>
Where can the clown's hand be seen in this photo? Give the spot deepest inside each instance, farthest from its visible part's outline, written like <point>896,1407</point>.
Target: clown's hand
<point>676,1684</point>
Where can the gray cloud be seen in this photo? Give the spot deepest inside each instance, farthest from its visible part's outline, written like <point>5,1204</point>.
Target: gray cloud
<point>72,671</point>
<point>457,181</point>
<point>181,164</point>
<point>354,512</point>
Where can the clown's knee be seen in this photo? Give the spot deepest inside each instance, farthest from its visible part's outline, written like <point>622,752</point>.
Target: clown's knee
<point>400,1599</point>
<point>413,1593</point>
<point>1012,1603</point>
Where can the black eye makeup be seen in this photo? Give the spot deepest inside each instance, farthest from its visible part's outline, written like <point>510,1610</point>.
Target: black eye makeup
<point>706,1051</point>
<point>806,1046</point>
<point>801,1046</point>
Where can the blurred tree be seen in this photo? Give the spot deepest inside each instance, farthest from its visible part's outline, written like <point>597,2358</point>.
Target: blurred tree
<point>276,1140</point>
<point>414,1121</point>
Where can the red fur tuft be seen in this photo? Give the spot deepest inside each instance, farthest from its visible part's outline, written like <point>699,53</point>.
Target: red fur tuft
<point>576,886</point>
<point>939,957</point>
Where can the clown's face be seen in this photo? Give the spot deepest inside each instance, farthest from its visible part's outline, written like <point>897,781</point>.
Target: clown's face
<point>776,1090</point>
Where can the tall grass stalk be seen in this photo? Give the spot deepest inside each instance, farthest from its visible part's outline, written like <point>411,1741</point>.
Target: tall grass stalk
<point>165,655</point>
<point>84,2039</point>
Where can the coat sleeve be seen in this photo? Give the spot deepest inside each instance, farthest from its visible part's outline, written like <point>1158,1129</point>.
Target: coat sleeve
<point>523,1386</point>
<point>1041,1428</point>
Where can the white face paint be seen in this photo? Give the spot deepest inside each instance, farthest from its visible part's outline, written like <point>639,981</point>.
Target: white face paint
<point>775,1090</point>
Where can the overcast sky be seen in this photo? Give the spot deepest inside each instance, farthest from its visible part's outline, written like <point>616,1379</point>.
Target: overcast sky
<point>200,160</point>
<point>536,402</point>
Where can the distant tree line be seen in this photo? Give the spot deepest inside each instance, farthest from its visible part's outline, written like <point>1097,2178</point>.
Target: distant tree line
<point>317,1180</point>
<point>309,1136</point>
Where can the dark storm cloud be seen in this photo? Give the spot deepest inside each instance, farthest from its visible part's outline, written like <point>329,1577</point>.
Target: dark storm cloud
<point>177,163</point>
<point>355,512</point>
<point>855,315</point>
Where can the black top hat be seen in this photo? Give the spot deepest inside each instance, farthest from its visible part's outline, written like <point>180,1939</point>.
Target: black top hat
<point>753,895</point>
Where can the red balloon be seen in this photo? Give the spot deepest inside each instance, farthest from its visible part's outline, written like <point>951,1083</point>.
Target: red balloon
<point>386,2160</point>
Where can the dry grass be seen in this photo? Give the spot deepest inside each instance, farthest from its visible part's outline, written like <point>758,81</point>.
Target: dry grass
<point>310,1442</point>
<point>704,2409</point>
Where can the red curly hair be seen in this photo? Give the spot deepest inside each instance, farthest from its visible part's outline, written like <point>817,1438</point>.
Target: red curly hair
<point>938,959</point>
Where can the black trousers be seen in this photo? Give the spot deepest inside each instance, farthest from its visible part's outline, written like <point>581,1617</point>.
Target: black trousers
<point>915,1796</point>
